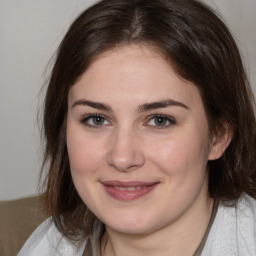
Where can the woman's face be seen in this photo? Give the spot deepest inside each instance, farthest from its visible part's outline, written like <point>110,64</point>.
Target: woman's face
<point>138,141</point>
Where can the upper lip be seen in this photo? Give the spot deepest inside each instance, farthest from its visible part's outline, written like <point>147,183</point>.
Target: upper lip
<point>117,183</point>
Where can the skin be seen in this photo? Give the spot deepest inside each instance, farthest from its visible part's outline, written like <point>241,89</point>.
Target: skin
<point>128,142</point>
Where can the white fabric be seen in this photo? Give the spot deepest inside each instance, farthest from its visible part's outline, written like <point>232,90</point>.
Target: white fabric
<point>233,233</point>
<point>46,240</point>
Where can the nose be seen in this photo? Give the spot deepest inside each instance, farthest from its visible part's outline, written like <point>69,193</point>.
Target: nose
<point>126,152</point>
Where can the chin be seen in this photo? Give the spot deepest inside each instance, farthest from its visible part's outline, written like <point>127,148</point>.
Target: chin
<point>136,225</point>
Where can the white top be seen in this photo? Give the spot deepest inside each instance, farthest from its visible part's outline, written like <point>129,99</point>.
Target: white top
<point>233,233</point>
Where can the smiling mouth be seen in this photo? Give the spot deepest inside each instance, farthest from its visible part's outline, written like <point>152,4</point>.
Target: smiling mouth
<point>130,188</point>
<point>127,191</point>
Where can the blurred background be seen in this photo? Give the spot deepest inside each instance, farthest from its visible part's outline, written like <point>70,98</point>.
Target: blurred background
<point>30,32</point>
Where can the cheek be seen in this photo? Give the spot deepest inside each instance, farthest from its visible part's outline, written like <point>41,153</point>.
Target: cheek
<point>183,154</point>
<point>85,159</point>
<point>84,153</point>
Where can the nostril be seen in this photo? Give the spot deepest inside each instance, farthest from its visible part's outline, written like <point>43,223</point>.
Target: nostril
<point>125,153</point>
<point>126,161</point>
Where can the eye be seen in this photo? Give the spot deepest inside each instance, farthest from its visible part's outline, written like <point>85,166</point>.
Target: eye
<point>95,121</point>
<point>161,121</point>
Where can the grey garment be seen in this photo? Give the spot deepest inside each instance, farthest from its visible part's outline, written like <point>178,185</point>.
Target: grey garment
<point>201,245</point>
<point>48,241</point>
<point>203,242</point>
<point>232,233</point>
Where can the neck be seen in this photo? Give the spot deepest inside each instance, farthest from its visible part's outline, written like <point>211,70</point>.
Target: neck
<point>188,230</point>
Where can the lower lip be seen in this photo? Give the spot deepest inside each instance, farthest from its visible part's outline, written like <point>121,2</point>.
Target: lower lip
<point>128,195</point>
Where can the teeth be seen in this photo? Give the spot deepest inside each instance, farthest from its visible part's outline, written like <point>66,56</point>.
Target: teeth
<point>129,188</point>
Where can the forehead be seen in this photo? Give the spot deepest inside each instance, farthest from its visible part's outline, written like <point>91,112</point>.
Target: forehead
<point>135,73</point>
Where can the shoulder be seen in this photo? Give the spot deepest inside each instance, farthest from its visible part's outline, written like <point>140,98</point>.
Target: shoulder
<point>47,240</point>
<point>246,204</point>
<point>234,229</point>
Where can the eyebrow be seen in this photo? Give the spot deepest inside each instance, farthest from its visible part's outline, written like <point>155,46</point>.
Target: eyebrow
<point>142,108</point>
<point>92,104</point>
<point>161,104</point>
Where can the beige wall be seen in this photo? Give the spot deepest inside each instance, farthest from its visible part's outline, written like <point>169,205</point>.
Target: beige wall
<point>30,32</point>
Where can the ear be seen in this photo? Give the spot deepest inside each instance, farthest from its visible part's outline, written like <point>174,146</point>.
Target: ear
<point>220,141</point>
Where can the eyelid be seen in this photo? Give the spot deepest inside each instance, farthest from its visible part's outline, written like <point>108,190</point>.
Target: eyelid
<point>170,119</point>
<point>89,116</point>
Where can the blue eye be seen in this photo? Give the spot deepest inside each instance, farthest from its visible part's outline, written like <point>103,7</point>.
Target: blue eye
<point>161,121</point>
<point>95,121</point>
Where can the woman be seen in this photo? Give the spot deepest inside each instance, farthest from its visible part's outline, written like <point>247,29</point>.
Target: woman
<point>150,136</point>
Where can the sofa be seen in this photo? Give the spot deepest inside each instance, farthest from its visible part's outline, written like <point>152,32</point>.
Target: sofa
<point>18,219</point>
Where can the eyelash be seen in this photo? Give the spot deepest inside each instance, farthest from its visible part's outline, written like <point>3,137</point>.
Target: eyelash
<point>86,120</point>
<point>169,120</point>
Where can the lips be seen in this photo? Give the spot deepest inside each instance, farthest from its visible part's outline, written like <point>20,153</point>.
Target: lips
<point>127,191</point>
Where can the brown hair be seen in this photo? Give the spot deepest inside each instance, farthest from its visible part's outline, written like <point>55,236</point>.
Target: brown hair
<point>198,45</point>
